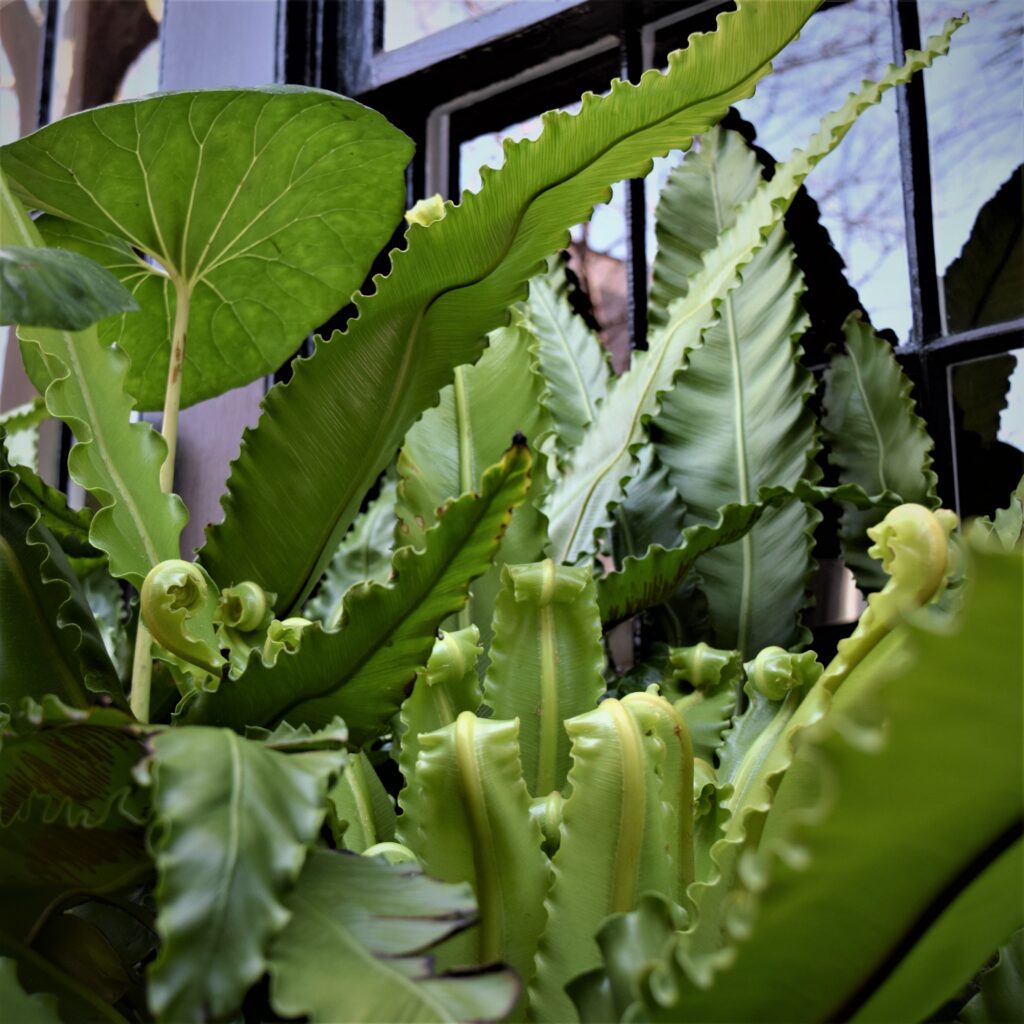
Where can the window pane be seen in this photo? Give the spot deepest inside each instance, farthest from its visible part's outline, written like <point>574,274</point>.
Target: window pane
<point>857,187</point>
<point>988,424</point>
<point>976,133</point>
<point>406,21</point>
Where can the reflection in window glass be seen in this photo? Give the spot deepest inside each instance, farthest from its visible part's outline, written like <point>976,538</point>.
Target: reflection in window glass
<point>975,105</point>
<point>105,52</point>
<point>858,186</point>
<point>406,21</point>
<point>988,423</point>
<point>21,27</point>
<point>599,248</point>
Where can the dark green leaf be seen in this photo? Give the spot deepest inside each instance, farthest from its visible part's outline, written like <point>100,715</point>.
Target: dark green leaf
<point>875,438</point>
<point>55,288</point>
<point>234,819</point>
<point>452,285</point>
<point>737,419</point>
<point>648,581</point>
<point>362,671</point>
<point>50,641</point>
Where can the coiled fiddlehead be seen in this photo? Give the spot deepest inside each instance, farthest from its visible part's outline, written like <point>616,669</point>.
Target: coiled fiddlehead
<point>178,602</point>
<point>912,543</point>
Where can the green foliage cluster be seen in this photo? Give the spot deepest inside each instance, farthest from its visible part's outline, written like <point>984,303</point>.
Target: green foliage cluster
<point>365,757</point>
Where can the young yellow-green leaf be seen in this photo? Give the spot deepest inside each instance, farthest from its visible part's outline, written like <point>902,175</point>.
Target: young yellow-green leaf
<point>448,686</point>
<point>834,924</point>
<point>592,487</point>
<point>875,438</point>
<point>614,845</point>
<point>357,948</point>
<point>361,672</point>
<point>547,658</point>
<point>234,821</point>
<point>361,813</point>
<point>265,207</point>
<point>54,288</point>
<point>470,821</point>
<point>453,283</point>
<point>116,460</point>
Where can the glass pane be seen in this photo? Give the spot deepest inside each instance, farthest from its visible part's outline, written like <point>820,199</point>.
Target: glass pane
<point>857,187</point>
<point>406,21</point>
<point>988,424</point>
<point>976,135</point>
<point>598,252</point>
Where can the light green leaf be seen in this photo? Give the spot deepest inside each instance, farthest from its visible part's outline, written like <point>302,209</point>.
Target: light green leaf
<point>832,921</point>
<point>448,686</point>
<point>737,420</point>
<point>647,581</point>
<point>361,812</point>
<point>364,554</point>
<point>547,658</point>
<point>264,207</point>
<point>615,834</point>
<point>571,357</point>
<point>40,1008</point>
<point>234,819</point>
<point>593,484</point>
<point>361,672</point>
<point>48,636</point>
<point>875,438</point>
<point>470,821</point>
<point>116,460</point>
<point>450,286</point>
<point>357,943</point>
<point>54,288</point>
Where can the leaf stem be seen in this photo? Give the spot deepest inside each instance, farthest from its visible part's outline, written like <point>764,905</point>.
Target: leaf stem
<point>142,673</point>
<point>142,663</point>
<point>172,396</point>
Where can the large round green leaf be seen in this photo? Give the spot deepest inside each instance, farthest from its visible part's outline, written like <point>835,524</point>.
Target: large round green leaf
<point>265,207</point>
